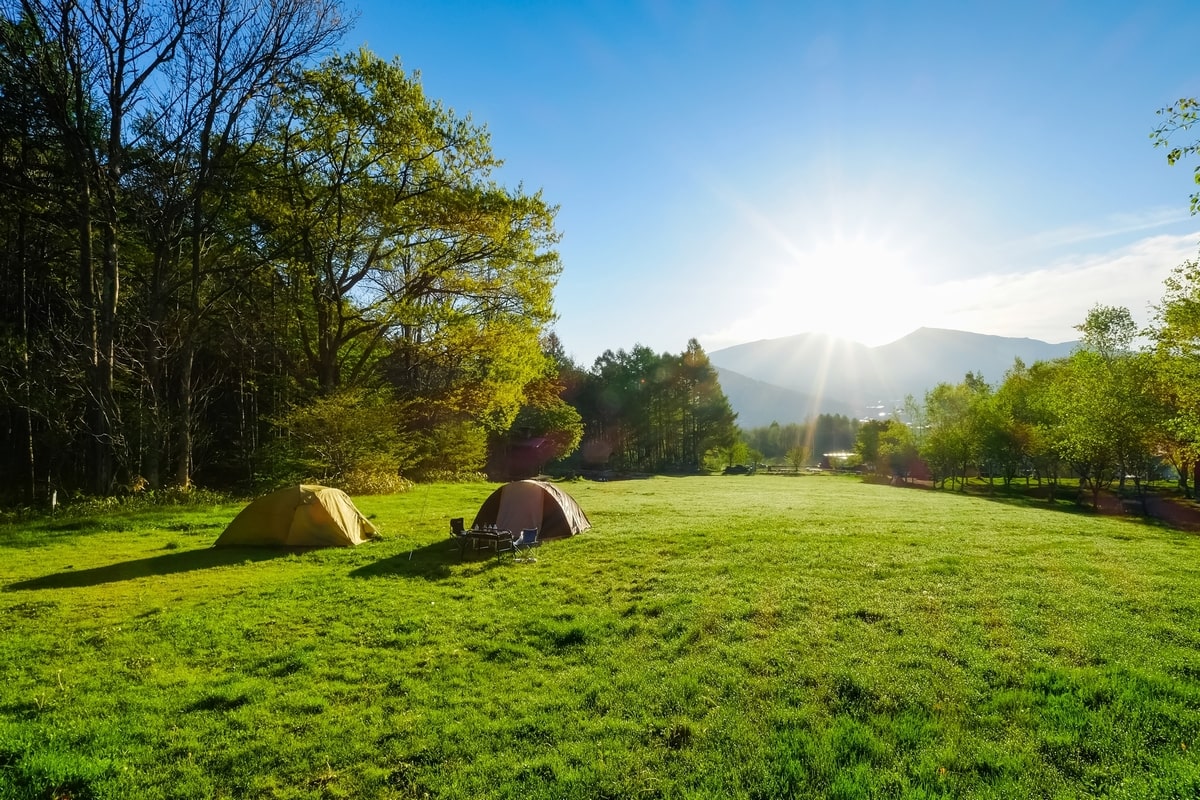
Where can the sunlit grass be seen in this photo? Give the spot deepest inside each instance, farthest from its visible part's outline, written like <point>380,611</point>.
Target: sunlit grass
<point>711,637</point>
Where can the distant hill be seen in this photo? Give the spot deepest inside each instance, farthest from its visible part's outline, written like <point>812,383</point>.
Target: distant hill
<point>838,376</point>
<point>928,356</point>
<point>759,404</point>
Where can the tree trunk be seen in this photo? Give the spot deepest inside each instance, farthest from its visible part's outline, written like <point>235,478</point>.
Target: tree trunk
<point>183,467</point>
<point>106,346</point>
<point>30,488</point>
<point>99,462</point>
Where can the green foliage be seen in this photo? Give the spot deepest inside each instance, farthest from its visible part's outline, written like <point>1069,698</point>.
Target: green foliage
<point>1102,412</point>
<point>1108,330</point>
<point>718,458</point>
<point>374,479</point>
<point>1176,364</point>
<point>715,460</point>
<point>550,415</point>
<point>1028,393</point>
<point>866,443</point>
<point>1106,410</point>
<point>390,235</point>
<point>1105,413</point>
<point>451,449</point>
<point>812,637</point>
<point>357,239</point>
<point>897,449</point>
<point>1179,119</point>
<point>825,433</point>
<point>546,422</point>
<point>348,440</point>
<point>951,443</point>
<point>1012,444</point>
<point>651,412</point>
<point>462,385</point>
<point>553,419</point>
<point>797,456</point>
<point>887,446</point>
<point>1177,317</point>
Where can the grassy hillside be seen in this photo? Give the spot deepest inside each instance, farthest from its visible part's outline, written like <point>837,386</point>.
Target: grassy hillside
<point>750,637</point>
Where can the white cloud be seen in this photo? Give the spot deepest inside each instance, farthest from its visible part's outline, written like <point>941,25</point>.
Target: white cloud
<point>1117,225</point>
<point>1044,303</point>
<point>1047,303</point>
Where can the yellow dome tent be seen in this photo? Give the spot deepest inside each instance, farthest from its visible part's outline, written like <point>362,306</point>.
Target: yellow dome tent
<point>299,516</point>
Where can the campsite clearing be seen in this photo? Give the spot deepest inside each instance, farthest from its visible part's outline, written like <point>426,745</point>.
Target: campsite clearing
<point>751,637</point>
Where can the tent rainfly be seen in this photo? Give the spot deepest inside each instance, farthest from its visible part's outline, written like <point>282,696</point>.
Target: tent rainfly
<point>299,516</point>
<point>533,504</point>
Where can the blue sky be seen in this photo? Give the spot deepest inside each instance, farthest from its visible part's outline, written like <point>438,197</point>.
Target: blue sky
<point>734,171</point>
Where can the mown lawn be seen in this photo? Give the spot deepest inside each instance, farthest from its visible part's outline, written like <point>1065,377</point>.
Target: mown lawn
<point>752,637</point>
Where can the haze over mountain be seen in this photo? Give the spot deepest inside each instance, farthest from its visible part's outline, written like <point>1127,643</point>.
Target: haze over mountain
<point>758,403</point>
<point>838,376</point>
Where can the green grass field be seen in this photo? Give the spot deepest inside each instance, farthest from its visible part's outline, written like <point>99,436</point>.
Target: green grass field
<point>752,637</point>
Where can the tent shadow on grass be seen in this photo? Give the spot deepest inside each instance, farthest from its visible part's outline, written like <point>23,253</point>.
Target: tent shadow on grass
<point>430,562</point>
<point>166,564</point>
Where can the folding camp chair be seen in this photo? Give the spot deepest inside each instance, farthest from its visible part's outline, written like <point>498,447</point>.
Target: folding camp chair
<point>458,534</point>
<point>523,545</point>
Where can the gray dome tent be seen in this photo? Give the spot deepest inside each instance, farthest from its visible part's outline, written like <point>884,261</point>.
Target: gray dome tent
<point>533,504</point>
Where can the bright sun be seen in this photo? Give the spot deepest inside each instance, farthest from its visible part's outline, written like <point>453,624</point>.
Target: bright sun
<point>853,287</point>
<point>838,264</point>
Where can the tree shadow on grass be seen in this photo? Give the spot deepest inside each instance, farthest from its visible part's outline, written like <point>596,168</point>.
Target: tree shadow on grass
<point>1162,511</point>
<point>166,564</point>
<point>432,562</point>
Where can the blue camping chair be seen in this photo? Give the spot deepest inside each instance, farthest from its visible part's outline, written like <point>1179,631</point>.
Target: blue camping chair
<point>520,545</point>
<point>523,545</point>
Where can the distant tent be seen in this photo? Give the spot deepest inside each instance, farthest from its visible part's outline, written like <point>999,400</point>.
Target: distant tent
<point>533,504</point>
<point>299,516</point>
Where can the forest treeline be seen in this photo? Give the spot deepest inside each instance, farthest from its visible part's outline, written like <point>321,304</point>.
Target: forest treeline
<point>1121,411</point>
<point>1114,413</point>
<point>231,256</point>
<point>799,443</point>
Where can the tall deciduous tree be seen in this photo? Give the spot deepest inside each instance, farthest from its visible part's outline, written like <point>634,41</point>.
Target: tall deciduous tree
<point>797,457</point>
<point>1021,445</point>
<point>146,98</point>
<point>1176,358</point>
<point>1104,404</point>
<point>41,387</point>
<point>236,57</point>
<point>93,66</point>
<point>403,260</point>
<point>887,446</point>
<point>951,442</point>
<point>203,232</point>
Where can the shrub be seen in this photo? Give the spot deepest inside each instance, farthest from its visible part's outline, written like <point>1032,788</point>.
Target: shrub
<point>349,437</point>
<point>367,481</point>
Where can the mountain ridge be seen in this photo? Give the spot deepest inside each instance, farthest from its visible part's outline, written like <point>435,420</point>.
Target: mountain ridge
<point>834,374</point>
